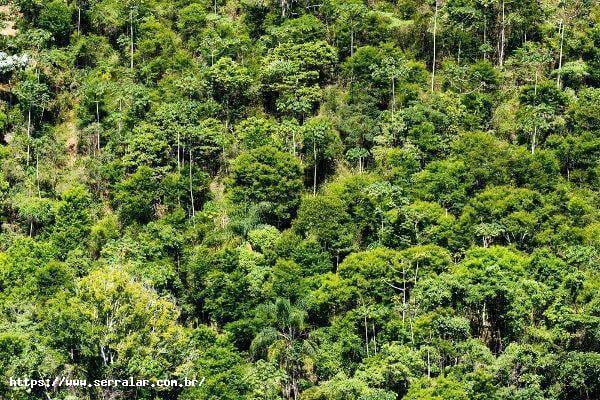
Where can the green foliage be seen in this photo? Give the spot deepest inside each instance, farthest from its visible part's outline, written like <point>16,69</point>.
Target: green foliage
<point>326,219</point>
<point>56,17</point>
<point>301,200</point>
<point>73,220</point>
<point>136,195</point>
<point>437,389</point>
<point>267,177</point>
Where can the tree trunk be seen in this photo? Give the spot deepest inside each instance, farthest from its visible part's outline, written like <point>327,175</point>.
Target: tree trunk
<point>428,364</point>
<point>393,109</point>
<point>37,174</point>
<point>374,338</point>
<point>403,294</point>
<point>120,117</point>
<point>98,126</point>
<point>191,185</point>
<point>502,36</point>
<point>28,134</point>
<point>131,29</point>
<point>315,168</point>
<point>366,333</point>
<point>178,153</point>
<point>560,54</point>
<point>484,35</point>
<point>435,15</point>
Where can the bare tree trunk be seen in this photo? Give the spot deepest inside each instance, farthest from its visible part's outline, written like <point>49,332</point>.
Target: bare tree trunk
<point>428,364</point>
<point>502,36</point>
<point>37,174</point>
<point>374,338</point>
<point>416,272</point>
<point>366,333</point>
<point>131,31</point>
<point>120,116</point>
<point>178,153</point>
<point>435,15</point>
<point>393,109</point>
<point>98,126</point>
<point>28,135</point>
<point>403,293</point>
<point>484,36</point>
<point>315,169</point>
<point>191,185</point>
<point>560,56</point>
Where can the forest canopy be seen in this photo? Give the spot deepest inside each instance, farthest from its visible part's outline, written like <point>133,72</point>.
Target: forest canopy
<point>301,200</point>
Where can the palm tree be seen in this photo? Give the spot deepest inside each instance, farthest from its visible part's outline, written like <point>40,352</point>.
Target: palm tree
<point>284,340</point>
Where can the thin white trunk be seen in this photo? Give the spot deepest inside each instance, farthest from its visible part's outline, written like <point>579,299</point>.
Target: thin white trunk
<point>502,35</point>
<point>191,185</point>
<point>120,116</point>
<point>484,36</point>
<point>366,334</point>
<point>435,15</point>
<point>315,169</point>
<point>178,153</point>
<point>98,126</point>
<point>393,109</point>
<point>560,54</point>
<point>28,135</point>
<point>428,364</point>
<point>403,294</point>
<point>131,32</point>
<point>374,339</point>
<point>37,174</point>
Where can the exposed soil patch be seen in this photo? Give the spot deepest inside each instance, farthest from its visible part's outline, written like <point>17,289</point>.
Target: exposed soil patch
<point>7,23</point>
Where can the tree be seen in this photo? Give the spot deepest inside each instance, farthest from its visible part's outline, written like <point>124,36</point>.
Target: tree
<point>321,145</point>
<point>128,327</point>
<point>34,96</point>
<point>293,73</point>
<point>503,213</point>
<point>281,341</point>
<point>267,176</point>
<point>437,389</point>
<point>56,17</point>
<point>255,132</point>
<point>73,220</point>
<point>231,86</point>
<point>132,196</point>
<point>325,218</point>
<point>541,113</point>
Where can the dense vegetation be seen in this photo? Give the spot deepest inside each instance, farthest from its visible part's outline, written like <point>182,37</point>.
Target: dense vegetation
<point>316,200</point>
